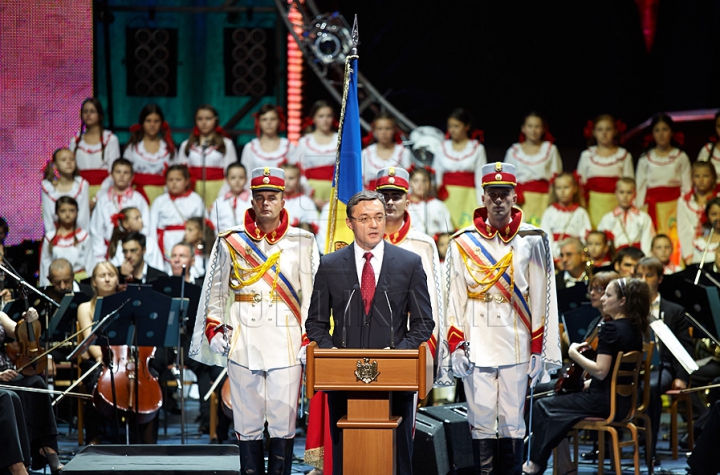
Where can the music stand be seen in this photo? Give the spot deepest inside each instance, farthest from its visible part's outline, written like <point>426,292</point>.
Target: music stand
<point>577,322</point>
<point>14,309</point>
<point>572,298</point>
<point>171,286</point>
<point>700,301</point>
<point>149,319</point>
<point>61,323</point>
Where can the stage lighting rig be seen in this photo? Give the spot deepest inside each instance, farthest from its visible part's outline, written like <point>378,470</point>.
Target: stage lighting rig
<point>329,38</point>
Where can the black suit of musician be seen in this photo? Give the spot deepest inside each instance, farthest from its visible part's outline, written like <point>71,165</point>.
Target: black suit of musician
<point>401,296</point>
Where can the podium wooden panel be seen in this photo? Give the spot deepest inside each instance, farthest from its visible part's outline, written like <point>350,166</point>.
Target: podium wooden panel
<point>369,427</point>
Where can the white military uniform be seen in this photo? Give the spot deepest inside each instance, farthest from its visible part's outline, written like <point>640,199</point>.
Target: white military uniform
<point>229,210</point>
<point>629,228</point>
<point>78,254</point>
<point>108,204</point>
<point>267,324</point>
<point>79,192</point>
<point>689,216</point>
<point>168,215</point>
<point>372,163</point>
<point>415,241</point>
<point>562,222</point>
<point>503,323</point>
<point>431,216</point>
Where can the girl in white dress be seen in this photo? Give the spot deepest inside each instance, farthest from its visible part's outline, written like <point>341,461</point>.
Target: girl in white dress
<point>458,169</point>
<point>202,240</point>
<point>387,151</point>
<point>210,146</point>
<point>172,209</point>
<point>427,213</point>
<point>130,220</point>
<point>662,175</point>
<point>151,150</point>
<point>599,249</point>
<point>711,152</point>
<point>316,150</point>
<point>69,241</point>
<point>268,149</point>
<point>62,178</point>
<point>537,162</point>
<point>95,148</point>
<point>691,207</point>
<point>228,210</point>
<point>712,215</point>
<point>565,218</point>
<point>600,166</point>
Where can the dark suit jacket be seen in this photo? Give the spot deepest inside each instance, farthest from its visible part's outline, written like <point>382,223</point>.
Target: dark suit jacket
<point>674,317</point>
<point>153,274</point>
<point>402,284</point>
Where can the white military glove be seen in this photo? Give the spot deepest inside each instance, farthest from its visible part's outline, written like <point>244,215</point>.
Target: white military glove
<point>461,364</point>
<point>534,369</point>
<point>219,344</point>
<point>31,315</point>
<point>302,355</point>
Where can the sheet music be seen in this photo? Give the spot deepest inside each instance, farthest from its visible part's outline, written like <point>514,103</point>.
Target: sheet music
<point>668,338</point>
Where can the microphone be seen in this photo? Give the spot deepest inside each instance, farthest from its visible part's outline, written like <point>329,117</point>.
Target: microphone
<point>392,325</point>
<point>347,307</point>
<point>184,267</point>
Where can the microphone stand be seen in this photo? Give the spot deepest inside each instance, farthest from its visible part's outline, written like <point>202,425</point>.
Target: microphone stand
<point>345,314</point>
<point>704,254</point>
<point>202,244</point>
<point>179,370</point>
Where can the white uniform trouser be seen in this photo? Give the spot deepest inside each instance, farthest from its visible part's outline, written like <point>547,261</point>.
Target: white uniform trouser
<point>258,396</point>
<point>496,400</point>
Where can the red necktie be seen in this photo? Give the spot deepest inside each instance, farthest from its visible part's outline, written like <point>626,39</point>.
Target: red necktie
<point>367,283</point>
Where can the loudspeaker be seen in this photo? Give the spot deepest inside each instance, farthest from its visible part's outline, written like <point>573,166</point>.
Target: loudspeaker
<point>430,455</point>
<point>155,459</point>
<point>251,61</point>
<point>152,61</point>
<point>457,432</point>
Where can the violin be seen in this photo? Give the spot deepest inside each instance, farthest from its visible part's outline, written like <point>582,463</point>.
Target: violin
<point>137,390</point>
<point>572,378</point>
<point>26,346</point>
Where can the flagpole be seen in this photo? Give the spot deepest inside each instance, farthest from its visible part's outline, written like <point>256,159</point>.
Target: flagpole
<point>332,214</point>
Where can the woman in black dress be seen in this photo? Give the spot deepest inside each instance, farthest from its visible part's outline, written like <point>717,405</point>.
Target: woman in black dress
<point>627,302</point>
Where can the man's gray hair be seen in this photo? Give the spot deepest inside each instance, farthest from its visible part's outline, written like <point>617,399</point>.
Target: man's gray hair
<point>365,195</point>
<point>579,246</point>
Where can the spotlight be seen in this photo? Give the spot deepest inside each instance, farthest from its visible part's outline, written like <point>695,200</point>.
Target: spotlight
<point>330,38</point>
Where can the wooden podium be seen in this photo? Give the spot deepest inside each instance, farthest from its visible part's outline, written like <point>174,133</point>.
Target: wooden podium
<point>369,377</point>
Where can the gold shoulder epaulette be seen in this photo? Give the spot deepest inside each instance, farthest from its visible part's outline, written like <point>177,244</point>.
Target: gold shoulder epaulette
<point>228,232</point>
<point>461,231</point>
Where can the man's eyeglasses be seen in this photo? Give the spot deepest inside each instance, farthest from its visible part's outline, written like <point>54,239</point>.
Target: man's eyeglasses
<point>378,218</point>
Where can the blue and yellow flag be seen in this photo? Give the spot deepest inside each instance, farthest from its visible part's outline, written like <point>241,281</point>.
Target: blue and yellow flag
<point>347,179</point>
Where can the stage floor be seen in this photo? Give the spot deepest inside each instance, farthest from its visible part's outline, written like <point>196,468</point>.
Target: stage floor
<point>69,445</point>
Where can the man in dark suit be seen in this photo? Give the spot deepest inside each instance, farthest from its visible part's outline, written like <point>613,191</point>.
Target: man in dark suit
<point>373,290</point>
<point>669,373</point>
<point>134,269</point>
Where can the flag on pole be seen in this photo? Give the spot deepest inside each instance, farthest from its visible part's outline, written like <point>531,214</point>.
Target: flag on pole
<point>347,178</point>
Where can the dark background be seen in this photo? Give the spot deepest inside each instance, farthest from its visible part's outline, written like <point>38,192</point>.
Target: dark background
<point>568,60</point>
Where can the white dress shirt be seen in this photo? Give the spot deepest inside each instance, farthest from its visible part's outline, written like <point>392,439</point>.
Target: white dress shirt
<point>376,260</point>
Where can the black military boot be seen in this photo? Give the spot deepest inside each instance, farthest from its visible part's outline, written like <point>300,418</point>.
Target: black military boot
<point>252,460</point>
<point>280,456</point>
<point>484,454</point>
<point>510,456</point>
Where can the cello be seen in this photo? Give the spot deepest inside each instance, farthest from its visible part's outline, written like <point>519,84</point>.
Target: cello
<point>136,390</point>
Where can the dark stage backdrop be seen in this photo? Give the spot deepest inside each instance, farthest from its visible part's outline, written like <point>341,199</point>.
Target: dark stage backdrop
<point>568,60</point>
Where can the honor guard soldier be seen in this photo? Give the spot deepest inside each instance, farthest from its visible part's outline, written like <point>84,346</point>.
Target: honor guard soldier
<point>267,267</point>
<point>394,183</point>
<point>501,318</point>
